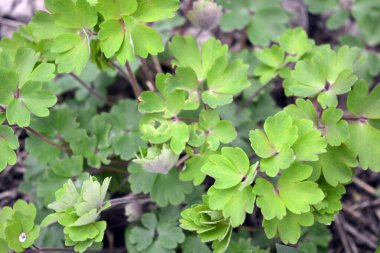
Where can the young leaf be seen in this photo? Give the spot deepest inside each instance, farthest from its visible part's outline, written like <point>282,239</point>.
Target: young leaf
<point>73,14</point>
<point>234,202</point>
<point>335,165</point>
<point>72,52</point>
<point>160,187</point>
<point>8,143</point>
<point>273,144</point>
<point>255,15</point>
<point>288,228</point>
<point>229,168</point>
<point>124,134</point>
<point>364,141</point>
<point>362,103</point>
<point>292,192</point>
<point>330,74</point>
<point>310,143</point>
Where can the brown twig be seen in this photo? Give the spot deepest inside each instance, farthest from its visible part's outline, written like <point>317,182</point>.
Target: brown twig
<point>89,88</point>
<point>126,200</point>
<point>135,85</point>
<point>257,93</point>
<point>43,138</point>
<point>125,74</point>
<point>10,22</point>
<point>368,240</point>
<point>182,160</point>
<point>342,234</point>
<point>157,64</point>
<point>46,250</point>
<point>363,185</point>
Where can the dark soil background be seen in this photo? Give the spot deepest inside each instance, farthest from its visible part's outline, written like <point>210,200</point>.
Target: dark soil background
<point>355,229</point>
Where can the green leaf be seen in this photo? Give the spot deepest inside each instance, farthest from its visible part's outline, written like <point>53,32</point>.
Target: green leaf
<point>169,235</point>
<point>8,143</point>
<point>315,239</point>
<point>187,54</point>
<point>185,79</point>
<point>216,131</point>
<point>303,109</point>
<point>296,43</point>
<point>362,103</point>
<point>286,249</point>
<point>73,15</point>
<point>210,63</point>
<point>233,202</point>
<point>155,10</point>
<point>254,16</point>
<point>160,187</point>
<point>115,9</point>
<point>143,236</point>
<point>124,135</point>
<point>192,170</point>
<point>364,141</point>
<point>210,225</point>
<point>366,14</point>
<point>292,192</point>
<point>310,143</point>
<point>124,40</point>
<point>288,228</point>
<point>229,168</point>
<point>193,244</point>
<point>224,81</point>
<point>273,144</point>
<point>33,98</point>
<point>335,129</point>
<point>338,19</point>
<point>19,229</point>
<point>272,60</point>
<point>335,165</point>
<point>72,52</point>
<point>329,74</point>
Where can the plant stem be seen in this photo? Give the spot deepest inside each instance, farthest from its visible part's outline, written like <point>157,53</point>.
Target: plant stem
<point>127,200</point>
<point>182,160</point>
<point>257,93</point>
<point>89,88</point>
<point>157,64</point>
<point>46,250</point>
<point>43,138</point>
<point>353,118</point>
<point>10,22</point>
<point>135,86</point>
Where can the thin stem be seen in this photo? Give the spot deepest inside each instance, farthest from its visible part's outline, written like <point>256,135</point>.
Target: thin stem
<point>353,118</point>
<point>136,90</point>
<point>43,138</point>
<point>147,72</point>
<point>127,200</point>
<point>187,119</point>
<point>46,250</point>
<point>89,88</point>
<point>157,64</point>
<point>257,93</point>
<point>10,22</point>
<point>135,85</point>
<point>182,160</point>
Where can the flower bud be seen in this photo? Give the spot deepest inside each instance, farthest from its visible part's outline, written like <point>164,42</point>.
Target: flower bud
<point>157,160</point>
<point>133,211</point>
<point>205,14</point>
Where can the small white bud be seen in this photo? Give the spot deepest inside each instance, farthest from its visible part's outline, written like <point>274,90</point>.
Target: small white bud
<point>22,237</point>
